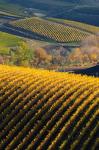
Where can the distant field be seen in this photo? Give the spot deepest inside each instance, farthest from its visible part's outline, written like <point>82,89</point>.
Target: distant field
<point>93,10</point>
<point>56,31</point>
<point>10,8</point>
<point>80,25</point>
<point>3,13</point>
<point>7,41</point>
<point>78,10</point>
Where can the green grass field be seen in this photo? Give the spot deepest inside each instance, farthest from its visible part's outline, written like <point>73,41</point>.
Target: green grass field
<point>7,41</point>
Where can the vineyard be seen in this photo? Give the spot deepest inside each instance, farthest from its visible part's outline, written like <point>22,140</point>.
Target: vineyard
<point>52,30</point>
<point>46,110</point>
<point>79,25</point>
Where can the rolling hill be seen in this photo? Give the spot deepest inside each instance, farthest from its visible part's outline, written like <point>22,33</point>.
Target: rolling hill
<point>93,71</point>
<point>89,2</point>
<point>66,9</point>
<point>46,110</point>
<point>53,30</point>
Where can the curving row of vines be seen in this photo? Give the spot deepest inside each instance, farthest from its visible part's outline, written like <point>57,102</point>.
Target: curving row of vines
<point>52,30</point>
<point>45,110</point>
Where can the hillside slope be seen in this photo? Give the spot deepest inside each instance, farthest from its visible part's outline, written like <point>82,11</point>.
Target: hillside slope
<point>46,110</point>
<point>8,41</point>
<point>66,9</point>
<point>54,29</point>
<point>94,71</point>
<point>90,2</point>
